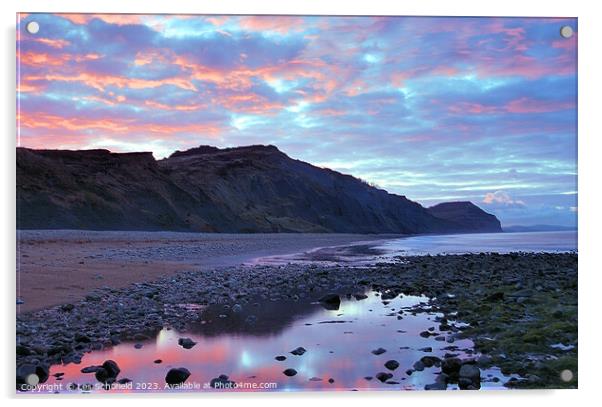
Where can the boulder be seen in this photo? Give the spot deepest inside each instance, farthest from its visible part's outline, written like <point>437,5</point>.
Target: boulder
<point>391,364</point>
<point>383,376</point>
<point>299,351</point>
<point>186,343</point>
<point>177,376</point>
<point>290,372</point>
<point>330,301</point>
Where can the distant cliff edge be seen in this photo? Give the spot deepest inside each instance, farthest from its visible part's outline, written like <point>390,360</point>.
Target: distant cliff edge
<point>207,189</point>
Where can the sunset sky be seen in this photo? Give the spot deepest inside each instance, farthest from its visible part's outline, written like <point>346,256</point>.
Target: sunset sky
<point>436,109</point>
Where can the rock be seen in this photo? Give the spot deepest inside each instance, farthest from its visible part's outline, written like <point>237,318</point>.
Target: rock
<point>360,297</point>
<point>23,350</point>
<point>427,349</point>
<point>102,375</point>
<point>484,360</point>
<point>67,307</point>
<point>280,358</point>
<point>315,379</point>
<point>497,296</point>
<point>236,308</point>
<point>290,372</point>
<point>430,361</point>
<point>138,346</point>
<point>383,376</point>
<point>418,366</point>
<point>157,361</point>
<point>82,338</point>
<point>111,367</point>
<point>177,376</point>
<point>330,301</point>
<point>90,369</point>
<point>379,351</point>
<point>299,351</point>
<point>471,372</point>
<point>391,364</point>
<point>436,386</point>
<point>331,380</point>
<point>222,382</point>
<point>186,343</point>
<point>451,366</point>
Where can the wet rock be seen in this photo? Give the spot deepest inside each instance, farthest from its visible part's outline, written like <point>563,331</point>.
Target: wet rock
<point>111,367</point>
<point>157,361</point>
<point>451,366</point>
<point>497,296</point>
<point>430,361</point>
<point>138,346</point>
<point>330,301</point>
<point>290,372</point>
<point>222,382</point>
<point>469,377</point>
<point>360,297</point>
<point>484,360</point>
<point>436,386</point>
<point>383,376</point>
<point>124,380</point>
<point>379,351</point>
<point>177,376</point>
<point>102,375</point>
<point>90,369</point>
<point>331,380</point>
<point>418,366</point>
<point>186,343</point>
<point>391,364</point>
<point>299,351</point>
<point>426,349</point>
<point>315,379</point>
<point>280,358</point>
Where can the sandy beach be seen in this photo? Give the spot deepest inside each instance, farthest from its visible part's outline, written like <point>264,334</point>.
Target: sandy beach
<point>61,266</point>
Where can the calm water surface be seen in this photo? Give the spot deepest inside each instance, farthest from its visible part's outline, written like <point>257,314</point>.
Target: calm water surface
<point>339,346</point>
<point>366,253</point>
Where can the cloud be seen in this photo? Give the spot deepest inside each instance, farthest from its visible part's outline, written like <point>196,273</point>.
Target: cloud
<point>460,107</point>
<point>502,199</point>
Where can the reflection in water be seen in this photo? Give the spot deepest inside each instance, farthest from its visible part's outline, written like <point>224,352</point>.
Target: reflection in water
<point>338,345</point>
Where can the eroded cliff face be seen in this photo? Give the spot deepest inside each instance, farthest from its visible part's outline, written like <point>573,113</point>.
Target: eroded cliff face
<point>244,189</point>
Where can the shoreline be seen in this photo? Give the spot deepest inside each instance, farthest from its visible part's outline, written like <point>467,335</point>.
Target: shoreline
<point>519,307</point>
<point>55,267</point>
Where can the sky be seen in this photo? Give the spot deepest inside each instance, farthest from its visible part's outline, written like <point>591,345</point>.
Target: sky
<point>436,109</point>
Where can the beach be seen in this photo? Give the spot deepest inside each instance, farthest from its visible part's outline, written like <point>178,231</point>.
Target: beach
<point>466,320</point>
<point>59,266</point>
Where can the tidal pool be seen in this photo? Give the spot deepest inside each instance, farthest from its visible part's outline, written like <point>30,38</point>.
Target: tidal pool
<point>243,343</point>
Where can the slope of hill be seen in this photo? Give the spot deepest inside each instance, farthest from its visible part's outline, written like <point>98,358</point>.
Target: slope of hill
<point>243,189</point>
<point>466,216</point>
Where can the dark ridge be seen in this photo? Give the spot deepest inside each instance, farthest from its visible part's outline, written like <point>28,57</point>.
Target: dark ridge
<point>243,189</point>
<point>466,216</point>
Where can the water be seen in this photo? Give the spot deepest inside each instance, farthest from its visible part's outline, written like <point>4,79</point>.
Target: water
<point>367,253</point>
<point>551,242</point>
<point>338,343</point>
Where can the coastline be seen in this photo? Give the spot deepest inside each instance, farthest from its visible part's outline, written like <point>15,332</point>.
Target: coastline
<point>520,309</point>
<point>55,267</point>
